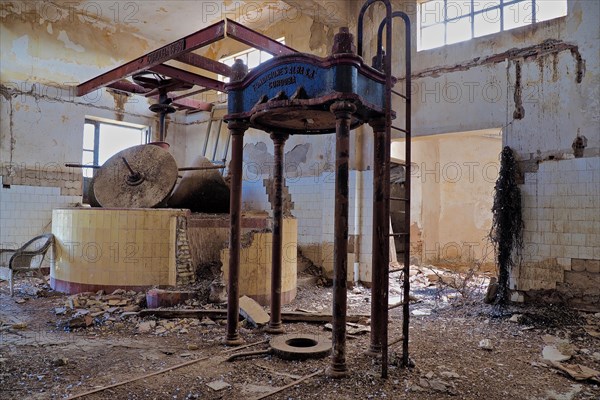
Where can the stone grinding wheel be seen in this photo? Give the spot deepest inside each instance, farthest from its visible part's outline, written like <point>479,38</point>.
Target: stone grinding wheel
<point>138,177</point>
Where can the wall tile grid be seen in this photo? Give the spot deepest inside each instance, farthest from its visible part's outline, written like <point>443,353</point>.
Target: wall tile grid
<point>561,210</point>
<point>314,201</point>
<point>26,211</point>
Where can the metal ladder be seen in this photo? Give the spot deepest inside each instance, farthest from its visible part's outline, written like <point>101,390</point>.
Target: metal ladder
<point>385,63</point>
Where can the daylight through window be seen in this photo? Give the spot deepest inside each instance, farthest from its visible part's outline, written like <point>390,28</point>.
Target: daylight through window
<point>444,22</point>
<point>251,57</point>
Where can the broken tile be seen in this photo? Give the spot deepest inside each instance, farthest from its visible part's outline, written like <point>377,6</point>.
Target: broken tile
<point>253,311</point>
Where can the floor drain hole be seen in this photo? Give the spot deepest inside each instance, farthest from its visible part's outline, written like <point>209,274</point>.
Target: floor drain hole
<point>301,342</point>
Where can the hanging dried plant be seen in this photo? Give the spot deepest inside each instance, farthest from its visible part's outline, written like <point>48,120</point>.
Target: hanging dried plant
<point>507,226</point>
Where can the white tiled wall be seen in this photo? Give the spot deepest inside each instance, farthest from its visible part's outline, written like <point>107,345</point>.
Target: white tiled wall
<point>314,200</point>
<point>561,210</point>
<point>26,211</point>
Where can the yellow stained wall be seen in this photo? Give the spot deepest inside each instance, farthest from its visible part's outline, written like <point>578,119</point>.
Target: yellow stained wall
<point>255,264</point>
<point>115,247</point>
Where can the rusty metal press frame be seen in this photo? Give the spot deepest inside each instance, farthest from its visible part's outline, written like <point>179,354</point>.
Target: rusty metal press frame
<point>381,188</point>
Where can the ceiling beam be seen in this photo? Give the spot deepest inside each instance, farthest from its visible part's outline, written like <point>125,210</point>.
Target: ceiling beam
<point>172,50</point>
<point>257,40</point>
<point>189,77</point>
<point>207,64</point>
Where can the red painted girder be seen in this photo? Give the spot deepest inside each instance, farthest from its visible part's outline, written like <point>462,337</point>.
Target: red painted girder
<point>172,50</point>
<point>257,40</point>
<point>189,77</point>
<point>199,61</point>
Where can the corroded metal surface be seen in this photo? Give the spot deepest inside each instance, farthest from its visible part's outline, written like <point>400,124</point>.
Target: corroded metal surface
<point>343,111</point>
<point>275,325</point>
<point>237,129</point>
<point>138,177</point>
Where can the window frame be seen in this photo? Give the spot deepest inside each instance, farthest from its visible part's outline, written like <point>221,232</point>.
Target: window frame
<point>244,54</point>
<point>471,14</point>
<point>97,123</point>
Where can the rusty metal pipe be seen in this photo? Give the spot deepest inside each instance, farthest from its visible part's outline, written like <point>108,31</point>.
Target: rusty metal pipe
<point>379,238</point>
<point>343,111</point>
<point>237,129</point>
<point>275,325</point>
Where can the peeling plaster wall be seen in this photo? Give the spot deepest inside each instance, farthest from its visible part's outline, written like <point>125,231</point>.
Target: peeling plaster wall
<point>46,50</point>
<point>453,179</point>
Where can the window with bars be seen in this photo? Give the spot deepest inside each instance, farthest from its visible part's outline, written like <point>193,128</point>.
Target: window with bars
<point>443,22</point>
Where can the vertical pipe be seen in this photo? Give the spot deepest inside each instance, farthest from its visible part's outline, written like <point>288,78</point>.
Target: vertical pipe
<point>237,129</point>
<point>379,238</point>
<point>407,186</point>
<point>275,325</point>
<point>343,111</point>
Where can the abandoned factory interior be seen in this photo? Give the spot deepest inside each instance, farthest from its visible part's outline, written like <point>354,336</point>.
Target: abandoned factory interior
<point>300,199</point>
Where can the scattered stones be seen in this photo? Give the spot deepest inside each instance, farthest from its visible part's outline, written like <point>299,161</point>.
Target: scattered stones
<point>218,385</point>
<point>516,318</point>
<point>422,312</point>
<point>217,294</point>
<point>20,300</point>
<point>552,353</point>
<point>486,344</point>
<point>146,326</point>
<point>192,346</point>
<point>59,361</point>
<point>60,310</point>
<point>156,298</point>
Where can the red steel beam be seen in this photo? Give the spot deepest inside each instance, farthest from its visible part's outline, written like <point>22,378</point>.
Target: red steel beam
<point>193,104</point>
<point>129,87</point>
<point>207,64</point>
<point>189,43</point>
<point>257,40</point>
<point>189,77</point>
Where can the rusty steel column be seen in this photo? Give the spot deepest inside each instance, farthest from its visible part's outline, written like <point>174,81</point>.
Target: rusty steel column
<point>379,238</point>
<point>343,111</point>
<point>237,129</point>
<point>275,325</point>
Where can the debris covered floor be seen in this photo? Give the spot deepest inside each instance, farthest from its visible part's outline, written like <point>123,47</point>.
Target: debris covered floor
<point>459,348</point>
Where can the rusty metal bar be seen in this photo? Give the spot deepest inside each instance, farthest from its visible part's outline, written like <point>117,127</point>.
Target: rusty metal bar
<point>129,87</point>
<point>378,235</point>
<point>275,325</point>
<point>407,184</point>
<point>82,166</point>
<point>257,40</point>
<point>343,111</point>
<point>189,43</point>
<point>189,77</point>
<point>201,168</point>
<point>237,129</point>
<point>188,94</point>
<point>198,61</point>
<point>384,227</point>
